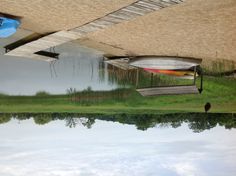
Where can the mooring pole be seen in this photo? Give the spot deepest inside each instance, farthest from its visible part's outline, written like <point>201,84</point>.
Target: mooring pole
<point>137,77</point>
<point>151,79</point>
<point>195,75</point>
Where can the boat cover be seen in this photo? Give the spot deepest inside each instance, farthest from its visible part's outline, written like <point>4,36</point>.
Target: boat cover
<point>8,27</point>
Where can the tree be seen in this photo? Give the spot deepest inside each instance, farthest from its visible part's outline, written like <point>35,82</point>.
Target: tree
<point>42,119</point>
<point>4,118</point>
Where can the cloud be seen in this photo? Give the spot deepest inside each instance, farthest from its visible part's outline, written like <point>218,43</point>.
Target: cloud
<point>105,151</point>
<point>185,169</point>
<point>105,160</point>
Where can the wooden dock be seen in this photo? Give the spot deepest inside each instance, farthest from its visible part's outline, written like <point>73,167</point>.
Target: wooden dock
<point>30,49</point>
<point>171,90</point>
<point>122,63</point>
<point>134,10</point>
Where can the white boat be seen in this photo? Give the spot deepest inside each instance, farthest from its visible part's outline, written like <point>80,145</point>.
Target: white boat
<point>164,62</point>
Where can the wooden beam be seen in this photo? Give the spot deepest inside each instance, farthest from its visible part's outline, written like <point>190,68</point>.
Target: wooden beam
<point>172,90</point>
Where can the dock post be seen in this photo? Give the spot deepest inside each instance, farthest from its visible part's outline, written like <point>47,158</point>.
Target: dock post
<point>137,77</point>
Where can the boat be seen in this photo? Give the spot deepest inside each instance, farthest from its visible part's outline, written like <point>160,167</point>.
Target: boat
<point>8,26</point>
<point>164,62</point>
<point>185,74</point>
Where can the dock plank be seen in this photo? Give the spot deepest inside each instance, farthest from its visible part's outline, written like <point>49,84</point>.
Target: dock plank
<point>171,90</point>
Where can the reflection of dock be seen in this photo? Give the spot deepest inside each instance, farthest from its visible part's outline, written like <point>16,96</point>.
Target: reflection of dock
<point>33,48</point>
<point>122,63</point>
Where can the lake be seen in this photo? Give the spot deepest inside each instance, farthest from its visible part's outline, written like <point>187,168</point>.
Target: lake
<point>78,67</point>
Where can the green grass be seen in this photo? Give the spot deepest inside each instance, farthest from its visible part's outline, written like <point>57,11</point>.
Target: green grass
<point>220,92</point>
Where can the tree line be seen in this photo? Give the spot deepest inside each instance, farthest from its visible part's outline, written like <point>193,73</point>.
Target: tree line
<point>197,122</point>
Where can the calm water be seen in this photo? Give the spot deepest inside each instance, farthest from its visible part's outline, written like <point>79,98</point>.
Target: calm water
<point>76,145</point>
<point>78,68</point>
<point>26,77</point>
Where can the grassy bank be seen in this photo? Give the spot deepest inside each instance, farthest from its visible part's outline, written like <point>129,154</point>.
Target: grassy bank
<point>220,92</point>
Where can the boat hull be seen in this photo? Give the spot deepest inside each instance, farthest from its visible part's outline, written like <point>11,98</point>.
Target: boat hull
<point>184,74</point>
<point>164,62</point>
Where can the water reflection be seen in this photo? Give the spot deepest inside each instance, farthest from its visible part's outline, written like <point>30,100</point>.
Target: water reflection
<point>127,78</point>
<point>197,122</point>
<point>78,68</point>
<point>27,77</point>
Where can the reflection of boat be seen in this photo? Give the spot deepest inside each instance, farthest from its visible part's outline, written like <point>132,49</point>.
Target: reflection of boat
<point>185,74</point>
<point>164,62</point>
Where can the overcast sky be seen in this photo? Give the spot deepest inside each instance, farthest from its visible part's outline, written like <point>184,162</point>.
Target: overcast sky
<point>113,149</point>
<point>76,68</point>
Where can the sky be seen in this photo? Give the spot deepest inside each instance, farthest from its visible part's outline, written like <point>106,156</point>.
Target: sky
<point>113,149</point>
<point>76,68</point>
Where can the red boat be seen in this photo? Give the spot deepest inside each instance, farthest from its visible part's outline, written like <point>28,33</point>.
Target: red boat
<point>185,74</point>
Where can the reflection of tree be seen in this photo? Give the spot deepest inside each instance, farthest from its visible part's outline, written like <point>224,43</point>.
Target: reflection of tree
<point>197,122</point>
<point>125,78</point>
<point>71,93</point>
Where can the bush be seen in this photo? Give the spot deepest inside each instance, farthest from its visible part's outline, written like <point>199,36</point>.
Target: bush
<point>42,93</point>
